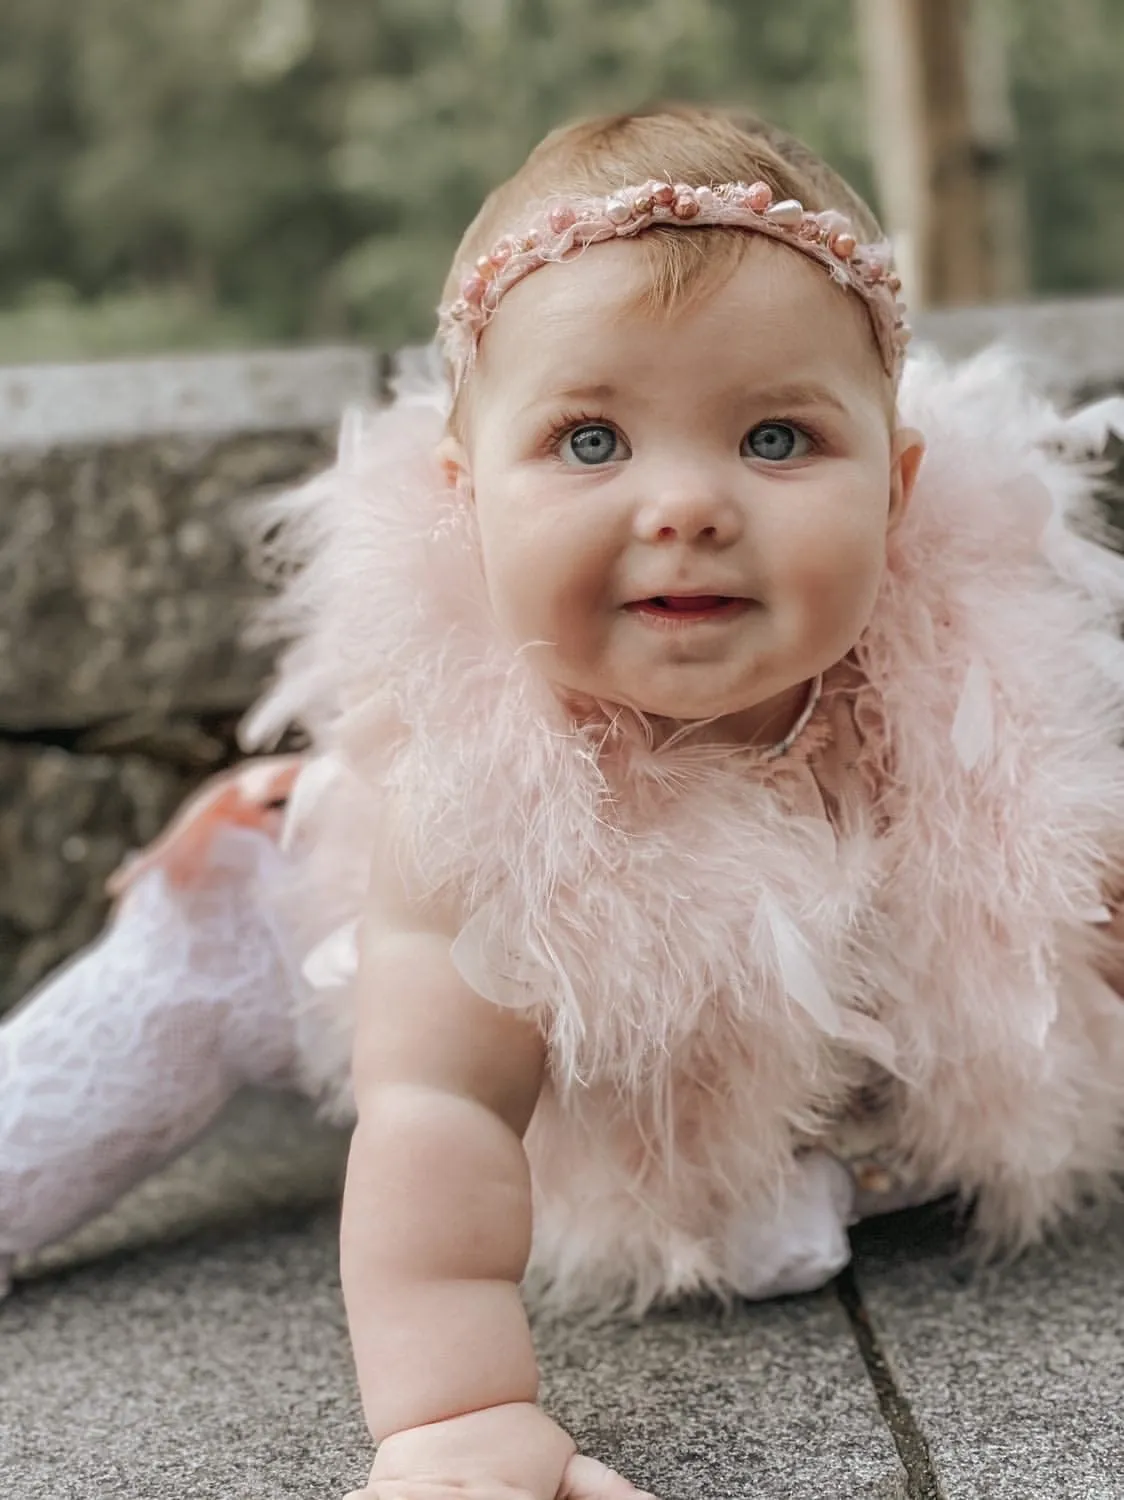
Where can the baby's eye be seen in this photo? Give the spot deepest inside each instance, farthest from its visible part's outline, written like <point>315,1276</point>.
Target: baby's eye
<point>591,444</point>
<point>776,441</point>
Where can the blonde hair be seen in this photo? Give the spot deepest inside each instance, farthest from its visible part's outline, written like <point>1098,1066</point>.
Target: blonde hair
<point>676,143</point>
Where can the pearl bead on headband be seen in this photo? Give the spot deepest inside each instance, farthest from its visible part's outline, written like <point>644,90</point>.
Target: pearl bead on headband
<point>563,228</point>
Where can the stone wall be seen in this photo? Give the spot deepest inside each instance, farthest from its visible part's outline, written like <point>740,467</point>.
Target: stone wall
<point>123,593</point>
<point>123,586</point>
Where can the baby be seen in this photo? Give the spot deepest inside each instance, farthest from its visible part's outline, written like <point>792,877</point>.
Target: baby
<point>713,817</point>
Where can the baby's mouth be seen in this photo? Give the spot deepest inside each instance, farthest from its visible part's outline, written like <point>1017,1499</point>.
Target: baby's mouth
<point>689,606</point>
<point>688,602</point>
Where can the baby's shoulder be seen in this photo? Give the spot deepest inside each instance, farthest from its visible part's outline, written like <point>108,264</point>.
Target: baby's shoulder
<point>399,896</point>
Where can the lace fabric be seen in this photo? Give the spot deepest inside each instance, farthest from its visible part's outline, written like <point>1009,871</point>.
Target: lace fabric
<point>122,1058</point>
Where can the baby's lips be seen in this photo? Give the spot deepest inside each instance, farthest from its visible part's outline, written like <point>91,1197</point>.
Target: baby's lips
<point>713,592</point>
<point>695,601</point>
<point>689,604</point>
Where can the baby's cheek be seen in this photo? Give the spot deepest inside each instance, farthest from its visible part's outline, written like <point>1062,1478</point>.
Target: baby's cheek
<point>833,582</point>
<point>819,563</point>
<point>577,612</point>
<point>532,598</point>
<point>839,538</point>
<point>511,563</point>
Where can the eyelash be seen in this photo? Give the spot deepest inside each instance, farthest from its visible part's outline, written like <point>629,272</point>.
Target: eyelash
<point>568,421</point>
<point>566,424</point>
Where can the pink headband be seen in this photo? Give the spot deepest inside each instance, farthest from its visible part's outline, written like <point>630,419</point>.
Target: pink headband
<point>565,227</point>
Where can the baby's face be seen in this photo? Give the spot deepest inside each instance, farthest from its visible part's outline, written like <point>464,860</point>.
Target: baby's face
<point>689,513</point>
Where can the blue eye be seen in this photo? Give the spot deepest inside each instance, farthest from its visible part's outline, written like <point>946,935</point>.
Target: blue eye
<point>590,445</point>
<point>776,441</point>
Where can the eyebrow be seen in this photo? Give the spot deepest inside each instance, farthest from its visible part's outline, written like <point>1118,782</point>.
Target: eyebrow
<point>791,394</point>
<point>603,392</point>
<point>570,395</point>
<point>800,393</point>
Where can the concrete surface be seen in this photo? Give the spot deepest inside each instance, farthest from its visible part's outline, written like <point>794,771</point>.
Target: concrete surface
<point>219,1367</point>
<point>192,1343</point>
<point>769,1402</point>
<point>44,405</point>
<point>1074,343</point>
<point>1014,1375</point>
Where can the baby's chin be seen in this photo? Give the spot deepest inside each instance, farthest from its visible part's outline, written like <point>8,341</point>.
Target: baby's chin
<point>688,698</point>
<point>673,709</point>
<point>682,701</point>
<point>736,714</point>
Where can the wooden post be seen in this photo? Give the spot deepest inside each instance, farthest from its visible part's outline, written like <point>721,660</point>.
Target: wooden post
<point>898,137</point>
<point>996,131</point>
<point>942,137</point>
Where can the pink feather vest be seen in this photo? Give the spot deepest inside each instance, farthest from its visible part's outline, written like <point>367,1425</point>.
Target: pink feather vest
<point>732,958</point>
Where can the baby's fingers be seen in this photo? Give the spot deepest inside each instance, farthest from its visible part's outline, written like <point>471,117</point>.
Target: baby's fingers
<point>586,1479</point>
<point>438,1489</point>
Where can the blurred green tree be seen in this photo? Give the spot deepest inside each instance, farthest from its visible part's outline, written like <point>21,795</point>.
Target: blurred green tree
<point>237,171</point>
<point>1068,64</point>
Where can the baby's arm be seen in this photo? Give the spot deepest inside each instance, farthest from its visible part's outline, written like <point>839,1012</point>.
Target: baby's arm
<point>437,1220</point>
<point>437,1227</point>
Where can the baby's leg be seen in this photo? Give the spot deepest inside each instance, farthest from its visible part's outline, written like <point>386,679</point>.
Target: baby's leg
<point>122,1057</point>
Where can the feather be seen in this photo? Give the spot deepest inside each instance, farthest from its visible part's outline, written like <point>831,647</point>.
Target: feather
<point>973,727</point>
<point>503,980</point>
<point>799,972</point>
<point>1042,1012</point>
<point>317,775</point>
<point>334,961</point>
<point>1106,654</point>
<point>870,1038</point>
<point>1090,427</point>
<point>819,836</point>
<point>1096,916</point>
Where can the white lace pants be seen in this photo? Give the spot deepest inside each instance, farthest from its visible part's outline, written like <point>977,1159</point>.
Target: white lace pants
<point>120,1059</point>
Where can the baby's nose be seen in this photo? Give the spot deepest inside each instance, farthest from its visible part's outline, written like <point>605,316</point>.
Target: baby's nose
<point>690,516</point>
<point>671,533</point>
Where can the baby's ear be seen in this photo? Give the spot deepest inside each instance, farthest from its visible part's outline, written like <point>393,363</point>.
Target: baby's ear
<point>907,449</point>
<point>453,461</point>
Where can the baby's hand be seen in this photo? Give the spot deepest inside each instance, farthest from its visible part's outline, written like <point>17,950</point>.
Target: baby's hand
<point>587,1479</point>
<point>510,1452</point>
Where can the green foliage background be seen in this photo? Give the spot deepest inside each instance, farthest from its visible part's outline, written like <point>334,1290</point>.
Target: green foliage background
<point>201,173</point>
